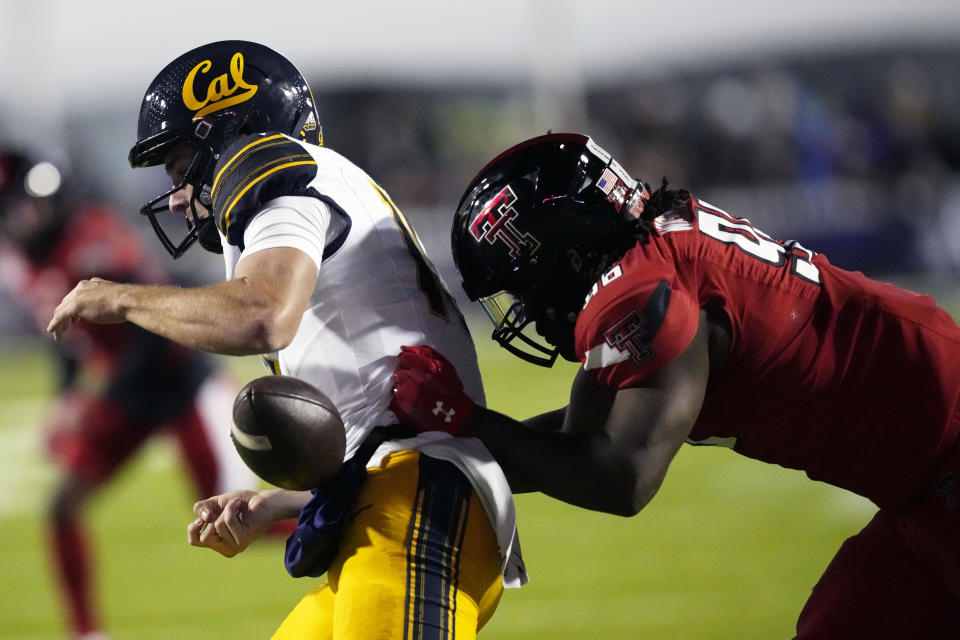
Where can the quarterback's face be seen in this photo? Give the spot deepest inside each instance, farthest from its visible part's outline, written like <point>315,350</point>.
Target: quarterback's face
<point>176,165</point>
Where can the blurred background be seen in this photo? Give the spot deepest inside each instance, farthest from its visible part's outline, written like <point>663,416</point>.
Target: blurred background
<point>835,124</point>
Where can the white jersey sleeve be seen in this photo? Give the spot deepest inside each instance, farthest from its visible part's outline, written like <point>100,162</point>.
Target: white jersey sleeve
<point>290,221</point>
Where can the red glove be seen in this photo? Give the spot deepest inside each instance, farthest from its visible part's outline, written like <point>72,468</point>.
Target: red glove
<point>427,393</point>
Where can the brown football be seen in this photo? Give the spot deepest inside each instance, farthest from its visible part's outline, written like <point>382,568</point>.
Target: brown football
<point>288,432</point>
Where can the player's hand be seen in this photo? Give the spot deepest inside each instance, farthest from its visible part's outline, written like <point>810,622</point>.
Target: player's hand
<point>427,392</point>
<point>95,300</point>
<point>228,523</point>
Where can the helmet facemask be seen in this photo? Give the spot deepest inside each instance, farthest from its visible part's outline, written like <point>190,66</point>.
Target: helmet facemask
<point>202,228</point>
<point>512,329</point>
<point>547,298</point>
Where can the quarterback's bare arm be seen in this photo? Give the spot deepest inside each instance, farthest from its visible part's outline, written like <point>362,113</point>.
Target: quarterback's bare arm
<point>257,311</point>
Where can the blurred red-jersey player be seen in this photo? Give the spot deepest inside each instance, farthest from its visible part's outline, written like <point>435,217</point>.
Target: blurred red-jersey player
<point>119,385</point>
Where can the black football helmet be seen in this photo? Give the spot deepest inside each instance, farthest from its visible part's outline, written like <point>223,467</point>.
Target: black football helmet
<point>532,233</point>
<point>205,98</point>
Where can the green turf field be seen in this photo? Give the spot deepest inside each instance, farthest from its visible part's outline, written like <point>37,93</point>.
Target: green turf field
<point>729,548</point>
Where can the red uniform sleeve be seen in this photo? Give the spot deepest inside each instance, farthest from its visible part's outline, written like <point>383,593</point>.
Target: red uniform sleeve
<point>104,245</point>
<point>632,327</point>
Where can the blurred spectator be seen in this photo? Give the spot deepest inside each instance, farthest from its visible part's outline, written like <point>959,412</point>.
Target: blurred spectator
<point>869,138</point>
<point>118,385</point>
<point>855,147</point>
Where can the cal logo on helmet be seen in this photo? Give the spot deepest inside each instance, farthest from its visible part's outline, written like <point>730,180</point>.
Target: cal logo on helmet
<point>221,91</point>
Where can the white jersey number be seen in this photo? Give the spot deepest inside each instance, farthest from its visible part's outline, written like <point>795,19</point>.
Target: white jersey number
<point>721,226</point>
<point>427,277</point>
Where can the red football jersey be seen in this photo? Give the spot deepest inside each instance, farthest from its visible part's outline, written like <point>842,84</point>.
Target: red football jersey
<point>97,243</point>
<point>854,381</point>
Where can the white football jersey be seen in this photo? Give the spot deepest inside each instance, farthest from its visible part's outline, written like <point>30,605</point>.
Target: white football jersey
<point>368,300</point>
<point>375,291</point>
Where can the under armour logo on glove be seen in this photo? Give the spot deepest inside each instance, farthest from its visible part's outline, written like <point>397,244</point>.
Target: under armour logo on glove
<point>423,376</point>
<point>448,414</point>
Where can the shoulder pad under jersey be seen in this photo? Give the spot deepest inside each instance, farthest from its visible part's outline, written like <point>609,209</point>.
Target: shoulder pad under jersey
<point>632,327</point>
<point>253,170</point>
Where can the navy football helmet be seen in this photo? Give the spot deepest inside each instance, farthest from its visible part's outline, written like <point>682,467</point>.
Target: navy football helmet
<point>532,233</point>
<point>205,98</point>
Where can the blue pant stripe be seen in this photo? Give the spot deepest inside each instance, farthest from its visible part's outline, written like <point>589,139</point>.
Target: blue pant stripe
<point>433,555</point>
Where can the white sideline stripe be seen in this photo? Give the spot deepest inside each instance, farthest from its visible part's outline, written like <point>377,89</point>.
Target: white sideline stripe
<point>603,355</point>
<point>25,473</point>
<point>254,443</point>
<point>215,404</point>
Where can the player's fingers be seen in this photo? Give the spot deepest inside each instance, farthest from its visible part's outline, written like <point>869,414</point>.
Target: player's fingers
<point>438,358</point>
<point>193,532</point>
<point>405,385</point>
<point>411,384</point>
<point>422,368</point>
<point>425,351</point>
<point>430,356</point>
<point>415,350</point>
<point>55,329</point>
<point>60,320</point>
<point>412,358</point>
<point>404,400</point>
<point>437,362</point>
<point>207,510</point>
<point>232,519</point>
<point>211,538</point>
<point>207,535</point>
<point>228,544</point>
<point>399,396</point>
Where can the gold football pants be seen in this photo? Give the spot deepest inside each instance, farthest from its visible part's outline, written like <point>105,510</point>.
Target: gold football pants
<point>419,560</point>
